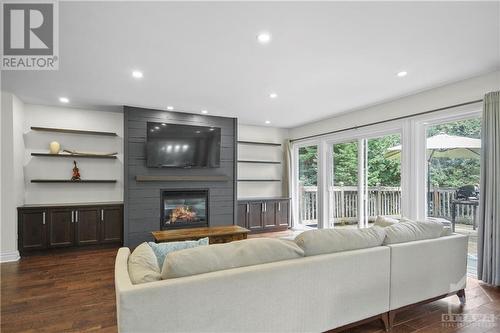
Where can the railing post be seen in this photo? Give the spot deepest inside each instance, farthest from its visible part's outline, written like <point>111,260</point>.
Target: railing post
<point>378,202</point>
<point>342,202</point>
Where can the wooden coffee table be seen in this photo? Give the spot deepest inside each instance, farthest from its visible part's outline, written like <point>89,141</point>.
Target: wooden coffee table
<point>216,235</point>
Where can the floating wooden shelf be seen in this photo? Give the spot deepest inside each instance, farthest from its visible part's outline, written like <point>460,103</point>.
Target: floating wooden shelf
<point>72,131</point>
<point>259,162</point>
<point>74,155</point>
<point>259,180</point>
<point>145,178</point>
<point>73,182</point>
<point>259,143</point>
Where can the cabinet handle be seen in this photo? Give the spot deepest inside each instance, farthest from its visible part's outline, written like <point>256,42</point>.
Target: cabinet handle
<point>102,215</point>
<point>279,206</point>
<point>263,207</point>
<point>248,208</point>
<point>76,216</point>
<point>43,217</point>
<point>72,216</point>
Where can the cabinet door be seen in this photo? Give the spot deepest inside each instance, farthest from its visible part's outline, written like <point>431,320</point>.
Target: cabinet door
<point>87,225</point>
<point>242,214</point>
<point>61,227</point>
<point>282,214</point>
<point>255,216</point>
<point>32,229</point>
<point>111,225</point>
<point>268,217</point>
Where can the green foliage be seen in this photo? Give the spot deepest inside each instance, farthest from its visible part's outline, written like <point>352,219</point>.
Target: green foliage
<point>445,172</point>
<point>308,165</point>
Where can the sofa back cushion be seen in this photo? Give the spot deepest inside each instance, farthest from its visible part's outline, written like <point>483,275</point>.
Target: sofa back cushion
<point>161,250</point>
<point>323,241</point>
<point>412,231</point>
<point>142,265</point>
<point>219,257</point>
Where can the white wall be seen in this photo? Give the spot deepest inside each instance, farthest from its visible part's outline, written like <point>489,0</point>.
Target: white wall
<point>452,94</point>
<point>61,168</point>
<point>12,178</point>
<point>266,153</point>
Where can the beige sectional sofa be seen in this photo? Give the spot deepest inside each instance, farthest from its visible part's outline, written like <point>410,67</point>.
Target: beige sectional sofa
<point>309,294</point>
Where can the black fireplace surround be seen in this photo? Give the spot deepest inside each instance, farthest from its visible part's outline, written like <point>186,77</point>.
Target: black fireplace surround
<point>184,209</point>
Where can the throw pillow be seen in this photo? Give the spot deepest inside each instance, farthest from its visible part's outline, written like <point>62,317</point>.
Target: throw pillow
<point>384,221</point>
<point>219,257</point>
<point>142,265</point>
<point>323,241</point>
<point>161,250</point>
<point>412,231</point>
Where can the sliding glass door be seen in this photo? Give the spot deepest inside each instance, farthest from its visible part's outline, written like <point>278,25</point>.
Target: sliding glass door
<point>365,181</point>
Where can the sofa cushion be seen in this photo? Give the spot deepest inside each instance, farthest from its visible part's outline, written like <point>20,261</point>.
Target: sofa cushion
<point>384,221</point>
<point>412,231</point>
<point>142,265</point>
<point>162,249</point>
<point>219,257</point>
<point>323,241</point>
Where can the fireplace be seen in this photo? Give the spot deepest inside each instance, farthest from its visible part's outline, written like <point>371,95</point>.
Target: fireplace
<point>184,209</point>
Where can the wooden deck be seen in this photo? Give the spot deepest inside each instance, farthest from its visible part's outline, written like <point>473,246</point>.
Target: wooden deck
<point>73,291</point>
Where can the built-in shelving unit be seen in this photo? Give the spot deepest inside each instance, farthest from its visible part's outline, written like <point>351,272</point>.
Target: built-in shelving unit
<point>74,155</point>
<point>73,181</point>
<point>72,131</point>
<point>259,162</point>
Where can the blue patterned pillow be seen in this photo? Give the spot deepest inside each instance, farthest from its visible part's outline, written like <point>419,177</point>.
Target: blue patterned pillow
<point>162,249</point>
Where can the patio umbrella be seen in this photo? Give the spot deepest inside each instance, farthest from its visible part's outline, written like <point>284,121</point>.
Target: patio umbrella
<point>443,146</point>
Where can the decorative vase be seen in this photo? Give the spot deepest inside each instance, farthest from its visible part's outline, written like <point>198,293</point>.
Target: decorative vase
<point>55,147</point>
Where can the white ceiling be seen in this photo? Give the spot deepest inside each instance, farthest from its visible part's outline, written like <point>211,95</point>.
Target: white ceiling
<point>324,58</point>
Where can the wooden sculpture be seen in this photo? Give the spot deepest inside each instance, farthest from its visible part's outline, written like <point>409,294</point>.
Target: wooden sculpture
<point>76,173</point>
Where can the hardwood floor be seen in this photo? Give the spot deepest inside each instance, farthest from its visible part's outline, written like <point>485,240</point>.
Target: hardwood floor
<point>73,291</point>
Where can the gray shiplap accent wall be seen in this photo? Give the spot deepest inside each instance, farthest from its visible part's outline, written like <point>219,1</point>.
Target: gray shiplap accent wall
<point>142,199</point>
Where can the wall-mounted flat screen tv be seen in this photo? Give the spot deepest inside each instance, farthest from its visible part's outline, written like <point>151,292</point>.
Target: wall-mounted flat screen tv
<point>182,146</point>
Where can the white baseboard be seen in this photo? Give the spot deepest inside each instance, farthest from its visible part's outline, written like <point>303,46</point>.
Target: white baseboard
<point>9,256</point>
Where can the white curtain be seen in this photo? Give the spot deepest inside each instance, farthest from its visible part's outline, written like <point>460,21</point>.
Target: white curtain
<point>288,173</point>
<point>488,269</point>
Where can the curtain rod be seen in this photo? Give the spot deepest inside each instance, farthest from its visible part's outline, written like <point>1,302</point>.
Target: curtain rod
<point>387,120</point>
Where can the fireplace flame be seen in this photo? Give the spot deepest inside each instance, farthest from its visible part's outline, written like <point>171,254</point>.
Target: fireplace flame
<point>182,213</point>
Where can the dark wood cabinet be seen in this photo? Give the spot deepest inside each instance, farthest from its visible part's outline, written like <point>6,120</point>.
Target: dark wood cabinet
<point>260,215</point>
<point>87,225</point>
<point>32,229</point>
<point>111,224</point>
<point>254,220</point>
<point>61,227</point>
<point>46,227</point>
<point>268,215</point>
<point>242,214</point>
<point>283,213</point>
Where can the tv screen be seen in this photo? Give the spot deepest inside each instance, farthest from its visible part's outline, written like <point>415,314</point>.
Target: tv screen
<point>182,146</point>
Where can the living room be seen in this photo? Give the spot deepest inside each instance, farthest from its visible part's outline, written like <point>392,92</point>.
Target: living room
<point>250,166</point>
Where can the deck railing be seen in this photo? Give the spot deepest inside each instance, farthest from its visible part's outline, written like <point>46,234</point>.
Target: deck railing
<point>382,200</point>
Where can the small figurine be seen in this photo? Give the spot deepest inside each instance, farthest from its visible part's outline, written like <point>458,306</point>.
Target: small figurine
<point>76,173</point>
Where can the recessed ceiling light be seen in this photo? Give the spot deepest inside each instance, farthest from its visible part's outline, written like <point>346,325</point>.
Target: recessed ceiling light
<point>157,128</point>
<point>268,122</point>
<point>163,124</point>
<point>63,100</point>
<point>204,111</point>
<point>137,75</point>
<point>212,129</point>
<point>170,108</point>
<point>264,37</point>
<point>198,132</point>
<point>402,73</point>
<point>273,95</point>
